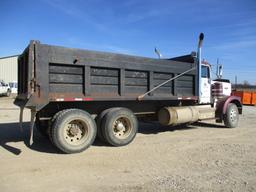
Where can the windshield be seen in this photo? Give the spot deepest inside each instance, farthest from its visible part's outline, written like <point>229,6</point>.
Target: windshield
<point>205,72</point>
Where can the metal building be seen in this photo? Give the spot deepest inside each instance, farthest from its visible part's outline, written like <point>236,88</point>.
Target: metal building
<point>9,68</point>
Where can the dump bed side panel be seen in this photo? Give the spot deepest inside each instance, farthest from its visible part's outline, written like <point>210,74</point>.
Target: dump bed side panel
<point>64,74</point>
<point>106,76</point>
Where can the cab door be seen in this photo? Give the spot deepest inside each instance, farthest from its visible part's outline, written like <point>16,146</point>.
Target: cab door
<point>205,85</point>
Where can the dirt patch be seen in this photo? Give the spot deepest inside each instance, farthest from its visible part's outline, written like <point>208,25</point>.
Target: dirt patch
<point>201,157</point>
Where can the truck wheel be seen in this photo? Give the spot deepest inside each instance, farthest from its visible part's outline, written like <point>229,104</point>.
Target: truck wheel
<point>49,130</point>
<point>8,93</point>
<point>119,126</point>
<point>232,116</point>
<point>73,131</point>
<point>99,120</point>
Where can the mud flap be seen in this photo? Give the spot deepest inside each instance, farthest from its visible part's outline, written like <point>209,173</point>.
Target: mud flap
<point>21,119</point>
<point>32,123</point>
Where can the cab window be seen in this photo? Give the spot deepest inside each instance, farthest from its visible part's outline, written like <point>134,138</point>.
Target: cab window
<point>205,72</point>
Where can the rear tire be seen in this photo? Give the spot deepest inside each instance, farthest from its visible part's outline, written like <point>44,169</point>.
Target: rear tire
<point>49,130</point>
<point>231,117</point>
<point>119,126</point>
<point>73,131</point>
<point>99,120</point>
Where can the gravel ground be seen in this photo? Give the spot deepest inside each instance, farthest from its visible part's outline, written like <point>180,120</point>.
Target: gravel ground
<point>201,157</point>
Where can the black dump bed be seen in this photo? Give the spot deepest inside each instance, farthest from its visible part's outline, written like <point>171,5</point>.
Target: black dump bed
<point>55,74</point>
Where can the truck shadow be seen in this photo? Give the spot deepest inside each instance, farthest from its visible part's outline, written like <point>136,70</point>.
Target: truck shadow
<point>10,132</point>
<point>209,125</point>
<point>155,128</point>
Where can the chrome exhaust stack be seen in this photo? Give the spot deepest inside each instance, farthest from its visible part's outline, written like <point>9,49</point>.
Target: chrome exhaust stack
<point>199,62</point>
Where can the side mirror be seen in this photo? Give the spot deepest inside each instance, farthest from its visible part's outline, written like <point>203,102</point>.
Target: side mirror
<point>158,53</point>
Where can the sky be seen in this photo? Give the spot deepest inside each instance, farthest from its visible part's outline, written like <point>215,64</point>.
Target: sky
<point>136,27</point>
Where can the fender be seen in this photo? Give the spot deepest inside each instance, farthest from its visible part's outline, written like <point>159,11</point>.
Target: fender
<point>222,104</point>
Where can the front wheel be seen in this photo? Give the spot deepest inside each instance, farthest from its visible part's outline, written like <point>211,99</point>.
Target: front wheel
<point>231,117</point>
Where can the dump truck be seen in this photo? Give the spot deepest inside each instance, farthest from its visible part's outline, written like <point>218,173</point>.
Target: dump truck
<point>75,95</point>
